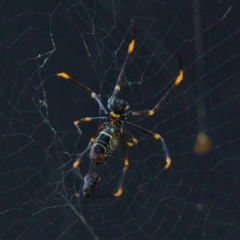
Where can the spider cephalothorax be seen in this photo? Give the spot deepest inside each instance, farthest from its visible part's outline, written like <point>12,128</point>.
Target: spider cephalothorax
<point>118,106</point>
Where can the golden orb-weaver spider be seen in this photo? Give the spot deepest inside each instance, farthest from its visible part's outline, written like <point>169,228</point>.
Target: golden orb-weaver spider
<point>109,134</point>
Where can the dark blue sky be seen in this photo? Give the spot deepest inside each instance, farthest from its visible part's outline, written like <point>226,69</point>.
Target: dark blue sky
<point>198,197</point>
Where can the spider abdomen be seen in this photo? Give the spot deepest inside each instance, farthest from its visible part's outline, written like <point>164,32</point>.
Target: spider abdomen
<point>104,145</point>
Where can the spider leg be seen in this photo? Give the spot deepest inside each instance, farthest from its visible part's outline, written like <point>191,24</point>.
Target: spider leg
<point>157,137</point>
<point>93,95</point>
<point>165,97</point>
<point>119,192</point>
<point>77,163</point>
<point>133,141</point>
<point>86,119</point>
<point>129,52</point>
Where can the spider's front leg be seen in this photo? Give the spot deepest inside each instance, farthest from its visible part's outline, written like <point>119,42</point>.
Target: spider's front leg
<point>86,119</point>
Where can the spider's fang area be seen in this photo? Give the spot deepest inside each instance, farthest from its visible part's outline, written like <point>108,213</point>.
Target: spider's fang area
<point>114,117</point>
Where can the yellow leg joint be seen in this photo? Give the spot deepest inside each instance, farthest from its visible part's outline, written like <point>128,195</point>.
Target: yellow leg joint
<point>117,88</point>
<point>63,75</point>
<point>179,78</point>
<point>76,122</point>
<point>168,163</point>
<point>76,164</point>
<point>150,112</point>
<point>131,46</point>
<point>156,136</point>
<point>87,119</point>
<point>135,140</point>
<point>118,193</point>
<point>126,162</point>
<point>130,144</point>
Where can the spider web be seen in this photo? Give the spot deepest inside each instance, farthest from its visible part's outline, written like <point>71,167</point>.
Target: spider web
<point>198,197</point>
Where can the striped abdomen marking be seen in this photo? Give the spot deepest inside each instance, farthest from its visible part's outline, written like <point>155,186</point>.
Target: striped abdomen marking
<point>104,145</point>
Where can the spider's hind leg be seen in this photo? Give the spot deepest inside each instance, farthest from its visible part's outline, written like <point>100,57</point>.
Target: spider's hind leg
<point>119,192</point>
<point>156,136</point>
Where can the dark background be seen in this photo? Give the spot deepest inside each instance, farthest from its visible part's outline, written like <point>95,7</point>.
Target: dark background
<point>198,197</point>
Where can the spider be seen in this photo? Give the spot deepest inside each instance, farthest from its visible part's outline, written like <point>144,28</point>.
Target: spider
<point>109,134</point>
